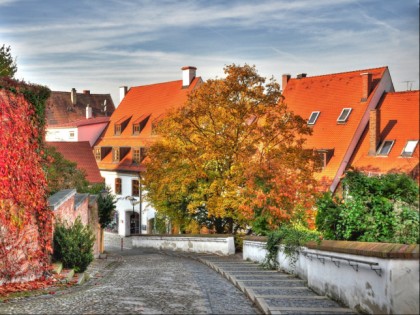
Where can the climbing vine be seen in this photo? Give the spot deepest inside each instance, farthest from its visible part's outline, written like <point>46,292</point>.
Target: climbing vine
<point>25,220</point>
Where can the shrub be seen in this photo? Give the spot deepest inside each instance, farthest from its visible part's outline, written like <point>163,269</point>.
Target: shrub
<point>73,245</point>
<point>376,209</point>
<point>292,237</point>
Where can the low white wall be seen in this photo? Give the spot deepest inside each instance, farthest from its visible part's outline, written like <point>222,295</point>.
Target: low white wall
<point>114,240</point>
<point>223,245</point>
<point>395,290</point>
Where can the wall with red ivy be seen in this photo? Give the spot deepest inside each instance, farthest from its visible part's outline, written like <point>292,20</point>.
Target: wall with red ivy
<point>25,220</point>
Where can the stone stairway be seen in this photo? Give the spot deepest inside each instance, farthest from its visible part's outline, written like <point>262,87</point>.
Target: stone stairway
<point>272,291</point>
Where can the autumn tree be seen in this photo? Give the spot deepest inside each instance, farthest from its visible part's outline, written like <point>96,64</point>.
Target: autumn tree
<point>231,155</point>
<point>8,65</point>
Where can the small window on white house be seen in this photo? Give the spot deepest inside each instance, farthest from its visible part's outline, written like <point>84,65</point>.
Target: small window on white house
<point>345,113</point>
<point>313,118</point>
<point>409,148</point>
<point>385,147</point>
<point>71,134</point>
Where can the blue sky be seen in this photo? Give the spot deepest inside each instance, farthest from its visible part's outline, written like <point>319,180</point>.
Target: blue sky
<point>101,45</point>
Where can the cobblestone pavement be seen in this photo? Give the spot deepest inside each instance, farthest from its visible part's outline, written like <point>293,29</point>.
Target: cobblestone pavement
<point>142,281</point>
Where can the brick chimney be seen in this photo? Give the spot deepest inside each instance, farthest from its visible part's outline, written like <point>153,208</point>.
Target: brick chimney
<point>123,92</point>
<point>88,112</point>
<point>301,75</point>
<point>73,96</point>
<point>366,85</point>
<point>86,92</point>
<point>374,131</point>
<point>284,79</point>
<point>188,74</point>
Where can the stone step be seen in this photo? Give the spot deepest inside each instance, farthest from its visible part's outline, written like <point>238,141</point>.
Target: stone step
<point>57,267</point>
<point>68,275</point>
<point>310,310</point>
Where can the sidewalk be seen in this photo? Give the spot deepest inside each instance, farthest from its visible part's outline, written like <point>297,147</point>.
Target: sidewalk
<point>272,291</point>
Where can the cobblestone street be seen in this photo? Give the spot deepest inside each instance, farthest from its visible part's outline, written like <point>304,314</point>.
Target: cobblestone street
<point>142,281</point>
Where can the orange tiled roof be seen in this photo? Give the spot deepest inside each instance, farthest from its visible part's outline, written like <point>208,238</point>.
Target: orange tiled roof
<point>81,153</point>
<point>399,121</point>
<point>60,109</point>
<point>329,94</point>
<point>140,102</point>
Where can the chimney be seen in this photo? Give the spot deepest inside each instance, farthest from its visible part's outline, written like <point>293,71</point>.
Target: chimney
<point>86,92</point>
<point>366,85</point>
<point>123,92</point>
<point>188,74</point>
<point>374,131</point>
<point>88,112</point>
<point>284,79</point>
<point>73,96</point>
<point>301,75</point>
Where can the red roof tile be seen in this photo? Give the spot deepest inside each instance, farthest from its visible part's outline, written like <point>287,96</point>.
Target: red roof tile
<point>329,94</point>
<point>82,122</point>
<point>399,121</point>
<point>81,153</point>
<point>140,102</point>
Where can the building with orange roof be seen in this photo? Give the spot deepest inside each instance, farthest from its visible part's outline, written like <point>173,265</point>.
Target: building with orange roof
<point>389,143</point>
<point>337,107</point>
<point>122,147</point>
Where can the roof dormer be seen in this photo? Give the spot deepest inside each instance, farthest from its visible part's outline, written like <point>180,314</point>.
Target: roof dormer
<point>140,123</point>
<point>120,125</point>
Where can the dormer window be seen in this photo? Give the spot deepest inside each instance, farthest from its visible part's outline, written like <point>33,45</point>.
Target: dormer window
<point>385,147</point>
<point>325,156</point>
<point>409,148</point>
<point>344,116</point>
<point>155,124</point>
<point>140,123</point>
<point>120,125</point>
<point>313,118</point>
<point>139,154</point>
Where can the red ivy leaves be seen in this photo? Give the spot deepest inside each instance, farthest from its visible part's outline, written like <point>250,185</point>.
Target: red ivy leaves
<point>25,220</point>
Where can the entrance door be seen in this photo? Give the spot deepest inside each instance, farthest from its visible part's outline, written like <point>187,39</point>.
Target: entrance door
<point>134,223</point>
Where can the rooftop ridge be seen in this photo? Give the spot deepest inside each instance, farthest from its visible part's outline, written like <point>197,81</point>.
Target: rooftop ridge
<point>338,73</point>
<point>160,83</point>
<point>404,92</point>
<point>81,93</point>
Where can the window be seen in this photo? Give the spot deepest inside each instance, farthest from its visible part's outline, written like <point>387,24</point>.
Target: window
<point>117,130</point>
<point>313,118</point>
<point>116,154</point>
<point>136,155</point>
<point>71,134</point>
<point>136,129</point>
<point>118,186</point>
<point>345,113</point>
<point>143,153</point>
<point>409,148</point>
<point>385,147</point>
<point>134,187</point>
<point>98,154</point>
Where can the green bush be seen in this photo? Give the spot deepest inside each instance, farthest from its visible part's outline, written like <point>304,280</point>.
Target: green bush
<point>73,245</point>
<point>376,209</point>
<point>292,237</point>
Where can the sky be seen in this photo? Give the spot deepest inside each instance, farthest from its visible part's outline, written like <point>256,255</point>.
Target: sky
<point>102,45</point>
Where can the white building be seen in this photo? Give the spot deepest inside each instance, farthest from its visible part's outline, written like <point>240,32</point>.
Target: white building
<point>121,148</point>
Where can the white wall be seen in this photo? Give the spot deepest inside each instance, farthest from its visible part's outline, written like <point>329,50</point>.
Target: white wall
<point>198,244</point>
<point>61,134</point>
<point>123,206</point>
<point>395,291</point>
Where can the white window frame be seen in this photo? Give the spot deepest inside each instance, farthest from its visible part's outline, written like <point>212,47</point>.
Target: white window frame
<point>409,153</point>
<point>382,146</point>
<point>313,117</point>
<point>345,118</point>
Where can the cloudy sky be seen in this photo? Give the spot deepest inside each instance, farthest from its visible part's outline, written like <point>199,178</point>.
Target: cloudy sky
<point>101,45</point>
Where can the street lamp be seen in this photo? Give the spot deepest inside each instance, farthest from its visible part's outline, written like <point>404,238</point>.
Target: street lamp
<point>133,202</point>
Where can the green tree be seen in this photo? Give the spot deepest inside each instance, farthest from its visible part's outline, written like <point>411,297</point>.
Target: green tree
<point>106,207</point>
<point>8,66</point>
<point>230,153</point>
<point>376,209</point>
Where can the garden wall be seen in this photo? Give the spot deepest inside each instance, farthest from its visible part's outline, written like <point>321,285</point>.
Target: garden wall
<point>215,244</point>
<point>368,277</point>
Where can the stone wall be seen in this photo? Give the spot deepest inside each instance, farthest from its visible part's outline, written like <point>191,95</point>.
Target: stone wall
<point>368,277</point>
